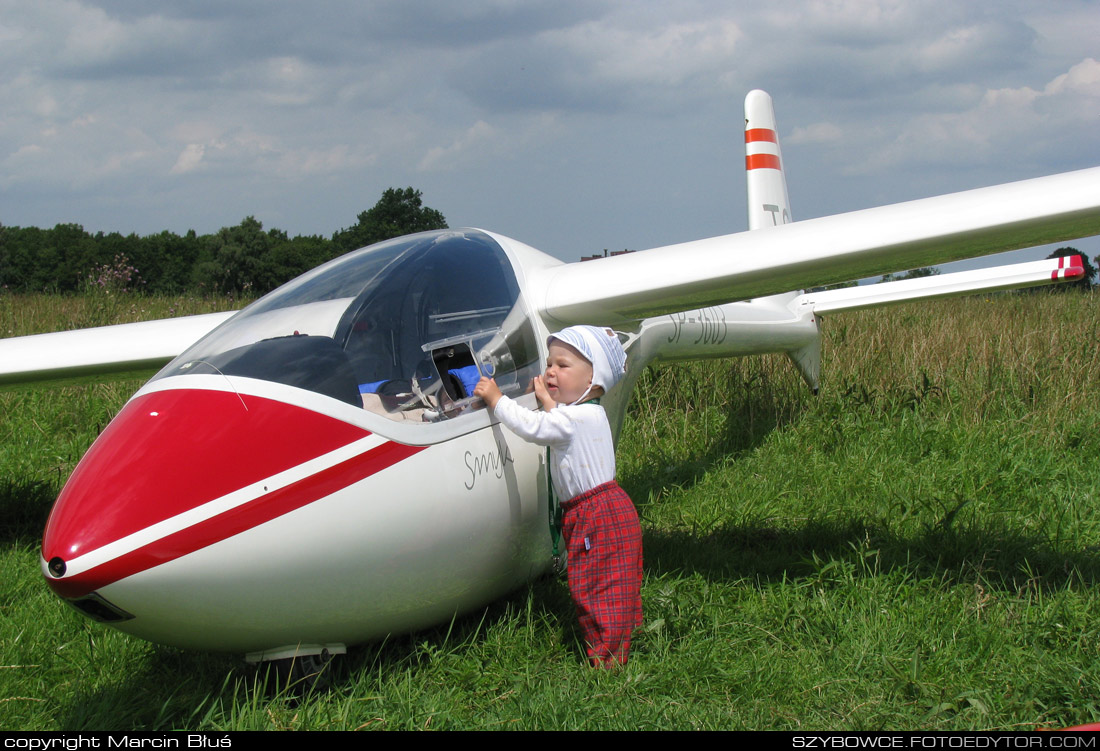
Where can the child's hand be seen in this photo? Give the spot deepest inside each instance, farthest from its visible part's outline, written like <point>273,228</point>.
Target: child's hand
<point>488,390</point>
<point>542,394</point>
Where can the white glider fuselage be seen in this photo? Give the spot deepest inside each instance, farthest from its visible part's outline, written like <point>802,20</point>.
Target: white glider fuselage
<point>284,523</point>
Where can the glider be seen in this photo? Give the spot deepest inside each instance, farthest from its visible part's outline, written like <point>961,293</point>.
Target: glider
<point>312,471</point>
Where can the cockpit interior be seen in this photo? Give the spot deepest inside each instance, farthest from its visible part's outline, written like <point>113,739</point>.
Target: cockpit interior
<point>403,329</point>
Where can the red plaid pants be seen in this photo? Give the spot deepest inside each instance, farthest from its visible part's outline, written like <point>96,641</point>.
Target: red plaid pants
<point>604,540</point>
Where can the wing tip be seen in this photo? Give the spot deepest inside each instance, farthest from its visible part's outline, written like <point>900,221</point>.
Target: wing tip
<point>1070,268</point>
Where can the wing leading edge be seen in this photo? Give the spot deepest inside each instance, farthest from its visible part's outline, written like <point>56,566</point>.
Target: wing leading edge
<point>136,348</point>
<point>821,251</point>
<point>1014,276</point>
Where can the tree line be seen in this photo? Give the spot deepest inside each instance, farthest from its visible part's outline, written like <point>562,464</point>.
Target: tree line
<point>241,259</point>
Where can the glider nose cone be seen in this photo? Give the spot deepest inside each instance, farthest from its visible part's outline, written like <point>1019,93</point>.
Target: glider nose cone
<point>153,486</point>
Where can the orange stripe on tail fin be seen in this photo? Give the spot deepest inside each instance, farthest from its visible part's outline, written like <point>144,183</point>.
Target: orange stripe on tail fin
<point>767,188</point>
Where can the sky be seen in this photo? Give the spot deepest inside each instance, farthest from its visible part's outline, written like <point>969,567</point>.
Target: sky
<point>573,126</point>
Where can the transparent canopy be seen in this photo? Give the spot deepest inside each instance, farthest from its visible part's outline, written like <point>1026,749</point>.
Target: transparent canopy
<point>403,328</point>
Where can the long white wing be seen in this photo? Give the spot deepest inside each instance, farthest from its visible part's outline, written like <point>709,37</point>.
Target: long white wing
<point>108,350</point>
<point>1014,276</point>
<point>825,250</point>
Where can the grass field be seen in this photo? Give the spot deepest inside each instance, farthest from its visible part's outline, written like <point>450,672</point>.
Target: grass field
<point>916,547</point>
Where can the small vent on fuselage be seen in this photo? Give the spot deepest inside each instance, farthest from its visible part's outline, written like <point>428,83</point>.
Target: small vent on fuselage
<point>98,609</point>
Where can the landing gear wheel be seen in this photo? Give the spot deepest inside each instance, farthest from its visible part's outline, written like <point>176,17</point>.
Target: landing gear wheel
<point>302,674</point>
<point>559,565</point>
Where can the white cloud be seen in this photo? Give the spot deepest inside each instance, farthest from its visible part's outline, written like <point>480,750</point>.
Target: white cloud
<point>473,139</point>
<point>815,133</point>
<point>336,159</point>
<point>29,150</point>
<point>1022,121</point>
<point>189,159</point>
<point>1082,79</point>
<point>664,56</point>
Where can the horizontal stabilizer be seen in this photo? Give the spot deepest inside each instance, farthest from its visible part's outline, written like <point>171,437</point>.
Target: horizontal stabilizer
<point>108,350</point>
<point>1012,276</point>
<point>822,251</point>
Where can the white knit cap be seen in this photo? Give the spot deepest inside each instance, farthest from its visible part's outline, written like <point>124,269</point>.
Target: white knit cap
<point>601,347</point>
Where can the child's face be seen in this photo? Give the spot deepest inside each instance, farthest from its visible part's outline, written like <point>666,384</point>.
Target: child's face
<point>568,375</point>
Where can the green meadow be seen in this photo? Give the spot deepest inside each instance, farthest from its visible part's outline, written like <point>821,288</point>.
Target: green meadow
<point>916,547</point>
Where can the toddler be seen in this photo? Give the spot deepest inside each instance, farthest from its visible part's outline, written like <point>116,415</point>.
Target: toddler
<point>600,526</point>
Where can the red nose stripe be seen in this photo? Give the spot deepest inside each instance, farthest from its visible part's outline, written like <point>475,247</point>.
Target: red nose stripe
<point>237,520</point>
<point>170,451</point>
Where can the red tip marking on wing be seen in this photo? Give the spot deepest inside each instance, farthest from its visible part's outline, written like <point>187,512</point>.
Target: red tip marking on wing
<point>1069,267</point>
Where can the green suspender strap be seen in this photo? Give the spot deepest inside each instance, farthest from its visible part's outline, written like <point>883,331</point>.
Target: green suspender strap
<point>555,515</point>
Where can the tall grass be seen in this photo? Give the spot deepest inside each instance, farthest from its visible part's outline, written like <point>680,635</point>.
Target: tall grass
<point>914,547</point>
<point>24,314</point>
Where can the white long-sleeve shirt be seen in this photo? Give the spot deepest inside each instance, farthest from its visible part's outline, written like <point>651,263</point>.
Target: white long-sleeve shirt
<point>582,454</point>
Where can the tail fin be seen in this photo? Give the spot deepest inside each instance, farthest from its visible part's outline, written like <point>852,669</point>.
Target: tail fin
<point>769,204</point>
<point>768,201</point>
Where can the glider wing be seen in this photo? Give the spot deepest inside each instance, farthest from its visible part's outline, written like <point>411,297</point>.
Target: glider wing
<point>1014,276</point>
<point>822,251</point>
<point>137,348</point>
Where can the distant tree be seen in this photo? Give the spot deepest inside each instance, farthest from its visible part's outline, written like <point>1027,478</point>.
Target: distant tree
<point>55,259</point>
<point>245,258</point>
<point>20,267</point>
<point>233,260</point>
<point>1084,283</point>
<point>290,258</point>
<point>232,257</point>
<point>920,273</point>
<point>8,277</point>
<point>167,261</point>
<point>398,212</point>
<point>835,285</point>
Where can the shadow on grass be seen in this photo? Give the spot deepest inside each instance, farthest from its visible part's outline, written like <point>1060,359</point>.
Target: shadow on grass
<point>24,508</point>
<point>165,689</point>
<point>844,550</point>
<point>755,408</point>
<point>175,689</point>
